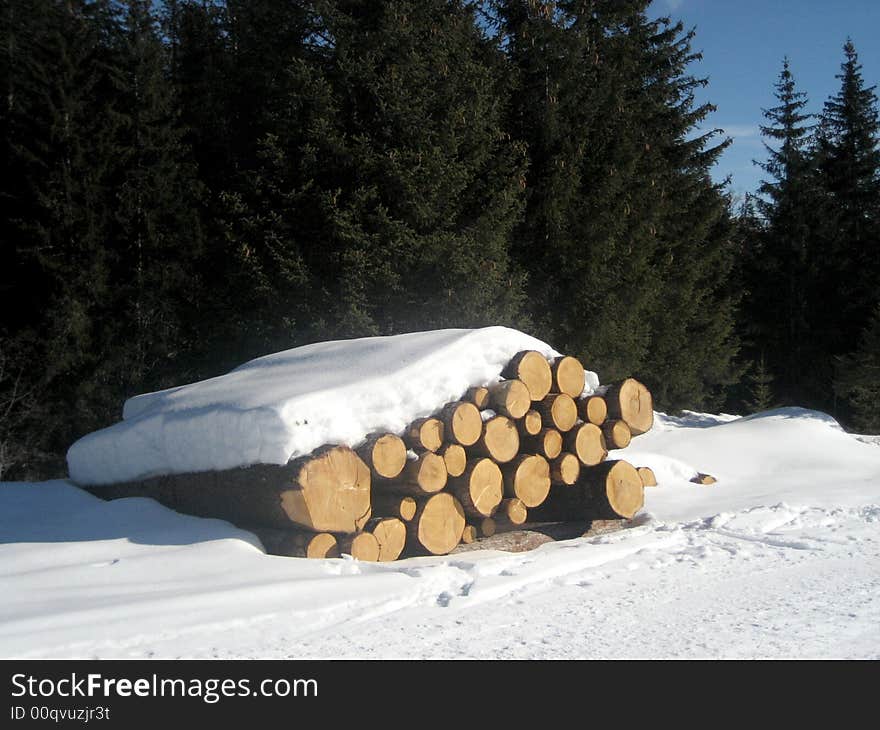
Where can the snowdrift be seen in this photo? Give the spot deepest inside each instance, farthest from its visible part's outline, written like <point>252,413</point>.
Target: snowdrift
<point>281,406</point>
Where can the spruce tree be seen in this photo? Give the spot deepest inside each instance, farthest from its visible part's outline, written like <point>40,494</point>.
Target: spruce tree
<point>760,388</point>
<point>858,378</point>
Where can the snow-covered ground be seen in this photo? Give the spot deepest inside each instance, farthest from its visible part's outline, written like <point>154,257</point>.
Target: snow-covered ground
<point>780,558</point>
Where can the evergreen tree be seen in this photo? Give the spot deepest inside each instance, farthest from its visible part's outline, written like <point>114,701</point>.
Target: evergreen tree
<point>858,378</point>
<point>760,388</point>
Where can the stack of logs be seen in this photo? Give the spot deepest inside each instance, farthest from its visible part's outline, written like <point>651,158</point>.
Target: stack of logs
<point>529,448</point>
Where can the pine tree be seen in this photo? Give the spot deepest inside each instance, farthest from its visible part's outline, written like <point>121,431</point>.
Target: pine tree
<point>858,378</point>
<point>849,165</point>
<point>760,390</point>
<point>781,267</point>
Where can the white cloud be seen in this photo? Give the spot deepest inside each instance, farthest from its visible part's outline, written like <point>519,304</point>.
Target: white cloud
<point>674,4</point>
<point>741,131</point>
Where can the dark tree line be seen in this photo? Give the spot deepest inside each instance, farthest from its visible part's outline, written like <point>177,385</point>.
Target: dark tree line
<point>193,183</point>
<point>811,261</point>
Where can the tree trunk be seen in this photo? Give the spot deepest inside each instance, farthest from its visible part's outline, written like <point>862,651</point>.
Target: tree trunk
<point>437,526</point>
<point>568,376</point>
<point>617,434</point>
<point>510,398</point>
<point>462,423</point>
<point>532,369</point>
<point>500,440</point>
<point>611,490</point>
<point>548,443</point>
<point>631,402</point>
<point>565,469</point>
<point>390,533</point>
<point>479,489</point>
<point>593,409</point>
<point>587,442</point>
<point>527,479</point>
<point>421,476</point>
<point>558,410</point>
<point>384,453</point>
<point>393,505</point>
<point>425,434</point>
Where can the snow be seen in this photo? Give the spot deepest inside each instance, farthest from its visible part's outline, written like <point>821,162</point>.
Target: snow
<point>779,558</point>
<point>274,408</point>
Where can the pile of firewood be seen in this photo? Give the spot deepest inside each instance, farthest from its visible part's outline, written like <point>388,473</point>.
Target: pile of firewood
<point>527,449</point>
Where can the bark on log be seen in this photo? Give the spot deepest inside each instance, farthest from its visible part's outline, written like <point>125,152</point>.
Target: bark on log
<point>479,396</point>
<point>532,369</point>
<point>486,527</point>
<point>500,440</point>
<point>611,490</point>
<point>646,474</point>
<point>565,469</point>
<point>558,410</point>
<point>510,398</point>
<point>297,543</point>
<point>384,453</point>
<point>455,458</point>
<point>393,505</point>
<point>568,375</point>
<point>617,434</point>
<point>548,443</point>
<point>327,491</point>
<point>527,479</point>
<point>480,489</point>
<point>390,533</point>
<point>462,423</point>
<point>587,442</point>
<point>512,511</point>
<point>425,434</point>
<point>421,476</point>
<point>363,546</point>
<point>437,526</point>
<point>631,402</point>
<point>593,409</point>
<point>704,479</point>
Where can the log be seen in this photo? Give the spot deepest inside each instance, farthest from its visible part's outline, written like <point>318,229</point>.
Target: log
<point>469,534</point>
<point>462,423</point>
<point>548,443</point>
<point>480,489</point>
<point>593,409</point>
<point>479,396</point>
<point>510,398</point>
<point>393,505</point>
<point>558,410</point>
<point>531,368</point>
<point>512,511</point>
<point>486,527</point>
<point>568,375</point>
<point>565,469</point>
<point>455,458</point>
<point>327,491</point>
<point>704,479</point>
<point>531,424</point>
<point>617,434</point>
<point>424,475</point>
<point>631,402</point>
<point>384,453</point>
<point>297,543</point>
<point>646,474</point>
<point>611,490</point>
<point>390,533</point>
<point>587,442</point>
<point>437,526</point>
<point>500,439</point>
<point>424,434</point>
<point>528,479</point>
<point>363,546</point>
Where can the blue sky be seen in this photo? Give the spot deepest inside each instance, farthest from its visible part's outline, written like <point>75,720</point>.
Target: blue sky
<point>743,43</point>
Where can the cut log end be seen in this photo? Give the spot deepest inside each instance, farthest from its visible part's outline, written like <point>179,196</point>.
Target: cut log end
<point>462,423</point>
<point>587,442</point>
<point>623,490</point>
<point>500,439</point>
<point>480,489</point>
<point>704,479</point>
<point>479,396</point>
<point>455,458</point>
<point>393,505</point>
<point>437,526</point>
<point>565,469</point>
<point>617,434</point>
<point>469,534</point>
<point>559,411</point>
<point>512,510</point>
<point>425,434</point>
<point>568,375</point>
<point>531,423</point>
<point>593,409</point>
<point>528,479</point>
<point>646,474</point>
<point>363,546</point>
<point>531,368</point>
<point>385,454</point>
<point>390,533</point>
<point>424,475</point>
<point>631,402</point>
<point>511,398</point>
